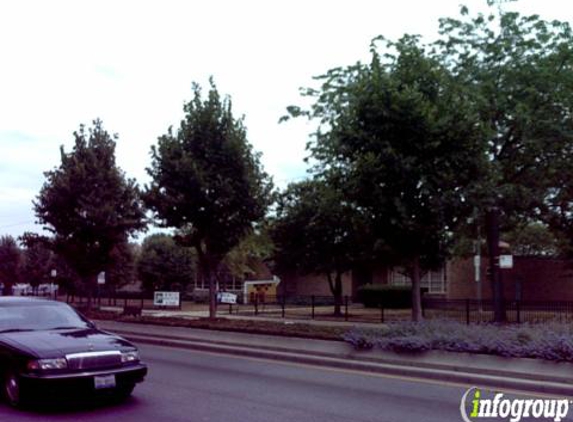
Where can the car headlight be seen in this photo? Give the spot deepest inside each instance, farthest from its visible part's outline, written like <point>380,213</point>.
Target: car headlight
<point>129,357</point>
<point>47,364</point>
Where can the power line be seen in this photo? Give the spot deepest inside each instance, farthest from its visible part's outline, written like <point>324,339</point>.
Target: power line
<point>21,223</point>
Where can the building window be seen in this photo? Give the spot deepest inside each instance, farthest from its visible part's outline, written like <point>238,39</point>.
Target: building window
<point>434,281</point>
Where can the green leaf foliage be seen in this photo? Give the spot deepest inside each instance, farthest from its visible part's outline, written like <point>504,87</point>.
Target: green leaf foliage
<point>10,263</point>
<point>401,132</point>
<point>253,250</point>
<point>38,260</point>
<point>315,231</point>
<point>88,204</point>
<point>207,181</point>
<point>165,265</point>
<point>521,69</point>
<point>533,239</point>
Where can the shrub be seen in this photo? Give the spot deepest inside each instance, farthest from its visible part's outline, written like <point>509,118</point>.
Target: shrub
<point>413,344</point>
<point>552,341</point>
<point>359,340</point>
<point>390,297</point>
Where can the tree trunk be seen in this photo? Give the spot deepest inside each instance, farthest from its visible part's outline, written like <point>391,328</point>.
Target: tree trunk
<point>207,267</point>
<point>336,290</point>
<point>89,282</point>
<point>338,295</point>
<point>416,292</point>
<point>212,294</point>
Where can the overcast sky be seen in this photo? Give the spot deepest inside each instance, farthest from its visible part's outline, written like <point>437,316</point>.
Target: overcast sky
<point>132,64</point>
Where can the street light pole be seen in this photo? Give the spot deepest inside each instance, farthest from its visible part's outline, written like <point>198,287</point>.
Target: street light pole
<point>492,226</point>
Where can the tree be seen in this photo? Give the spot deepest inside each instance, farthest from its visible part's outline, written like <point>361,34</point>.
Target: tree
<point>165,265</point>
<point>10,263</point>
<point>317,231</point>
<point>521,70</point>
<point>533,239</point>
<point>122,267</point>
<point>208,183</point>
<point>401,133</point>
<point>254,249</point>
<point>88,204</point>
<point>38,260</point>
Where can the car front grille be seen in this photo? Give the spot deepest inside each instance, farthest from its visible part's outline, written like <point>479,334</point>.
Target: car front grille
<point>94,360</point>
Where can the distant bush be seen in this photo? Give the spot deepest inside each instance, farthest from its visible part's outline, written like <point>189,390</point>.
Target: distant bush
<point>549,341</point>
<point>387,296</point>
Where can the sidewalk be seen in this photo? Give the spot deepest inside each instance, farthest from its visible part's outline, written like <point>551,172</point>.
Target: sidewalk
<point>473,370</point>
<point>222,314</point>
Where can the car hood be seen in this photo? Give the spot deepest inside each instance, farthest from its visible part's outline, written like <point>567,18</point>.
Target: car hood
<point>57,343</point>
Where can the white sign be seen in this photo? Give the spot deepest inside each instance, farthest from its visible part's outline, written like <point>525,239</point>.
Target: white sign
<point>225,297</point>
<point>477,263</point>
<point>166,299</point>
<point>101,278</point>
<point>506,261</point>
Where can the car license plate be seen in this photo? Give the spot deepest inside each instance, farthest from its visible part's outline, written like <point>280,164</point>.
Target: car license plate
<point>104,381</point>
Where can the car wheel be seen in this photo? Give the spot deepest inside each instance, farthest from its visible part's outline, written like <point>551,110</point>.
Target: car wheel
<point>12,392</point>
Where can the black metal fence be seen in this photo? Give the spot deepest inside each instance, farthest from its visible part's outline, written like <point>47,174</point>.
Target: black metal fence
<point>323,308</point>
<point>464,310</point>
<point>474,311</point>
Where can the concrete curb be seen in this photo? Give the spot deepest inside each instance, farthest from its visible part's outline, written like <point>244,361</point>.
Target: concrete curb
<point>486,379</point>
<point>362,356</point>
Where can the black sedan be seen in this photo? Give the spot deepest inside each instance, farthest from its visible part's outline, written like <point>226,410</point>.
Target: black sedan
<point>48,350</point>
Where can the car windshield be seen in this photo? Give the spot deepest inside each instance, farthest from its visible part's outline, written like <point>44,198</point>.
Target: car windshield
<point>39,317</point>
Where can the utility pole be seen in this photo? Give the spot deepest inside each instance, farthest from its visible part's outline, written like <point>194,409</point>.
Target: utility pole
<point>492,227</point>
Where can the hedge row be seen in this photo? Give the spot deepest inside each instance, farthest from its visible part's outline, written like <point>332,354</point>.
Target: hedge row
<point>389,297</point>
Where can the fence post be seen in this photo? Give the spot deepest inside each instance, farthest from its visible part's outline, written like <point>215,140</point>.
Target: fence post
<point>230,308</point>
<point>518,311</point>
<point>467,312</point>
<point>422,304</point>
<point>283,302</point>
<point>346,308</point>
<point>381,313</point>
<point>312,304</point>
<point>256,304</point>
<point>142,301</point>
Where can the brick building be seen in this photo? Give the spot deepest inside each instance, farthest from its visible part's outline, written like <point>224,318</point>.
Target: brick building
<point>531,278</point>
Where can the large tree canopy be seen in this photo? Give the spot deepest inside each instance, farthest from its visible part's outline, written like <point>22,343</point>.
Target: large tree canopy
<point>481,118</point>
<point>88,204</point>
<point>521,70</point>
<point>401,134</point>
<point>207,182</point>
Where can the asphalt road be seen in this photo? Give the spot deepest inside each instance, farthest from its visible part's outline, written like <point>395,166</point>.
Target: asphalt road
<point>189,386</point>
